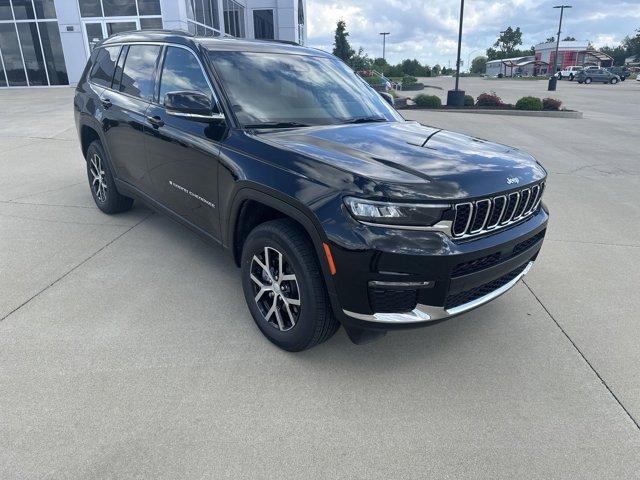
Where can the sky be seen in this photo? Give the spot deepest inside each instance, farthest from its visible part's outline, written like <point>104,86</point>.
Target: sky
<point>428,29</point>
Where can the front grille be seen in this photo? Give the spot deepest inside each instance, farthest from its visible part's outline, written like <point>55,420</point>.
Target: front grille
<point>488,214</point>
<point>476,265</point>
<point>457,299</point>
<point>385,300</point>
<point>522,246</point>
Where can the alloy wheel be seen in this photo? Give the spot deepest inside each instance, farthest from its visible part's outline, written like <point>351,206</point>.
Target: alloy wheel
<point>99,181</point>
<point>276,289</point>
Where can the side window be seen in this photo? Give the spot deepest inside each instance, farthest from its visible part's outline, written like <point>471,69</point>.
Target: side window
<point>181,72</point>
<point>138,71</point>
<point>102,71</point>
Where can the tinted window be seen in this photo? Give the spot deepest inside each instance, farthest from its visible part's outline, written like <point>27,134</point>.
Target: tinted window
<point>150,24</point>
<point>149,7</point>
<point>263,24</point>
<point>5,10</point>
<point>102,72</point>
<point>32,53</point>
<point>23,9</point>
<point>11,55</point>
<point>315,90</point>
<point>139,67</point>
<point>53,55</point>
<point>90,8</point>
<point>119,8</point>
<point>181,71</point>
<point>45,8</point>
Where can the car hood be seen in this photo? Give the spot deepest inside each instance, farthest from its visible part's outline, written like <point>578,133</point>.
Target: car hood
<point>410,160</point>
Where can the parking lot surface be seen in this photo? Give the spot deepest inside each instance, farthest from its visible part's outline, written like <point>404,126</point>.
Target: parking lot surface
<point>127,350</point>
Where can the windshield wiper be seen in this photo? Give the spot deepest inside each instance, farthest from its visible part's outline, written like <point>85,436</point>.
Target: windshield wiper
<point>276,125</point>
<point>364,120</point>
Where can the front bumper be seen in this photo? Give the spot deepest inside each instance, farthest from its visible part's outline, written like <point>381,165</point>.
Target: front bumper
<point>456,277</point>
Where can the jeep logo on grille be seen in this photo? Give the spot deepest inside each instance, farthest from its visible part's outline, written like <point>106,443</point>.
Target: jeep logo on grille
<point>512,180</point>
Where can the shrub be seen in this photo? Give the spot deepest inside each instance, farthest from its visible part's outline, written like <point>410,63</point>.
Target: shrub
<point>488,100</point>
<point>468,101</point>
<point>529,103</point>
<point>409,80</point>
<point>428,101</point>
<point>551,104</point>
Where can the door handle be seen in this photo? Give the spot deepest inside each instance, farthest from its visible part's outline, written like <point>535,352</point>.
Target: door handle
<point>156,121</point>
<point>106,103</point>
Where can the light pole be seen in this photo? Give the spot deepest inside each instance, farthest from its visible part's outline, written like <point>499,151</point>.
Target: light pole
<point>384,43</point>
<point>553,81</point>
<point>455,98</point>
<point>501,60</point>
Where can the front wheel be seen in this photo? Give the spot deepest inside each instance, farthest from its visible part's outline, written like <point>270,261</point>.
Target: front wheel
<point>284,288</point>
<point>571,77</point>
<point>614,81</point>
<point>587,80</point>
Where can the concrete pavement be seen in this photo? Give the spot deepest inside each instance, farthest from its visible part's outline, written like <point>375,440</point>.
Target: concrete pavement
<point>127,351</point>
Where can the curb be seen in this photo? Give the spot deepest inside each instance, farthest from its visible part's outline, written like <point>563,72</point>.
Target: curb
<point>515,113</point>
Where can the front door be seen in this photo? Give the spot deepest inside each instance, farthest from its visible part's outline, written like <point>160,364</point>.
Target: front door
<point>183,152</point>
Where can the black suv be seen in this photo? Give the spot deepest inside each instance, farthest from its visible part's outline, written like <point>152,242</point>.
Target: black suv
<point>336,209</point>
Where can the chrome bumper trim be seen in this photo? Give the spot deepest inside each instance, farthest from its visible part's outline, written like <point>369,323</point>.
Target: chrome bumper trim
<point>428,313</point>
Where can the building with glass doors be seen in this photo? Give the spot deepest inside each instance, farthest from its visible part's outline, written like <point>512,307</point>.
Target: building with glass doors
<point>47,42</point>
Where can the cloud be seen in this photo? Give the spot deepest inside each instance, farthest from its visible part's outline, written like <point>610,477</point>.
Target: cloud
<point>428,30</point>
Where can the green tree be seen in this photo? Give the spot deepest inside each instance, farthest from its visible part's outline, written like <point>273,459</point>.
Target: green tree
<point>550,40</point>
<point>360,61</point>
<point>632,44</point>
<point>569,39</point>
<point>341,47</point>
<point>619,53</point>
<point>509,40</point>
<point>479,65</point>
<point>435,71</point>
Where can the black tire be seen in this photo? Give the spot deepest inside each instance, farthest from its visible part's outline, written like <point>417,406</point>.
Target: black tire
<point>587,80</point>
<point>614,81</point>
<point>580,82</point>
<point>622,79</point>
<point>571,77</point>
<point>559,76</point>
<point>104,190</point>
<point>314,320</point>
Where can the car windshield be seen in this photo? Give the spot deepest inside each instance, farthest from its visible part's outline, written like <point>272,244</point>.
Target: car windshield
<point>290,90</point>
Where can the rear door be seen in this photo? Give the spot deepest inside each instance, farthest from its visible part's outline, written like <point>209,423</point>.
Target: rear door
<point>126,104</point>
<point>184,152</point>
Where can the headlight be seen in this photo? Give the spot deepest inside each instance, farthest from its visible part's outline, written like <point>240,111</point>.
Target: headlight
<point>388,213</point>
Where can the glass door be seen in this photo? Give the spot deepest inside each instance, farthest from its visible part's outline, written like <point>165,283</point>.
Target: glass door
<point>97,30</point>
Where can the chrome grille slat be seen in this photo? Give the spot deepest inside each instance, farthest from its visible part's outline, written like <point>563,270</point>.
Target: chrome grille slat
<point>514,207</point>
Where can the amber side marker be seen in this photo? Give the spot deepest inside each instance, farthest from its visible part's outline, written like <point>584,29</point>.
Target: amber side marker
<point>327,252</point>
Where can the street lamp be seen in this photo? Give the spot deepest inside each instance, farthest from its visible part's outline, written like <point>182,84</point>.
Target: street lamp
<point>455,98</point>
<point>384,43</point>
<point>553,81</point>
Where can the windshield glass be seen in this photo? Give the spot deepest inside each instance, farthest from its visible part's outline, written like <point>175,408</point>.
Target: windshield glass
<point>273,89</point>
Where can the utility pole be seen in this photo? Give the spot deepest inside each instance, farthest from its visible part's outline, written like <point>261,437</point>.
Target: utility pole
<point>455,97</point>
<point>553,81</point>
<point>384,44</point>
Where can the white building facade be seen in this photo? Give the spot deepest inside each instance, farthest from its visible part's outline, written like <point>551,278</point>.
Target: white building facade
<point>47,42</point>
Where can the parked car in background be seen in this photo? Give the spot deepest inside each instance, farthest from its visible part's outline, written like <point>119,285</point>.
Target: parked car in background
<point>622,72</point>
<point>596,75</point>
<point>569,72</point>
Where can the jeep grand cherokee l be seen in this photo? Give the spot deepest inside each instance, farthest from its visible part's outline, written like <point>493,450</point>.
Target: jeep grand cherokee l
<point>336,209</point>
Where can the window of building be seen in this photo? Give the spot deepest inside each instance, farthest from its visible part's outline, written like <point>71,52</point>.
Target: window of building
<point>23,10</point>
<point>32,53</point>
<point>233,18</point>
<point>11,56</point>
<point>105,65</point>
<point>5,10</point>
<point>182,72</point>
<point>90,8</point>
<point>263,27</point>
<point>119,8</point>
<point>151,23</point>
<point>45,8</point>
<point>203,17</point>
<point>149,7</point>
<point>138,72</point>
<point>53,55</point>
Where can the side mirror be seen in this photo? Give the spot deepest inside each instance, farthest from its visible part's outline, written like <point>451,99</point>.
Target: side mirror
<point>193,105</point>
<point>388,98</point>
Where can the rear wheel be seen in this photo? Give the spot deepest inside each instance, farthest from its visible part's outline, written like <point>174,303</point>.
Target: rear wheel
<point>571,77</point>
<point>283,286</point>
<point>559,76</point>
<point>587,80</point>
<point>103,187</point>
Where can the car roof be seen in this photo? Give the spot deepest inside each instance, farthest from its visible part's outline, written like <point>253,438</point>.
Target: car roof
<point>211,43</point>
